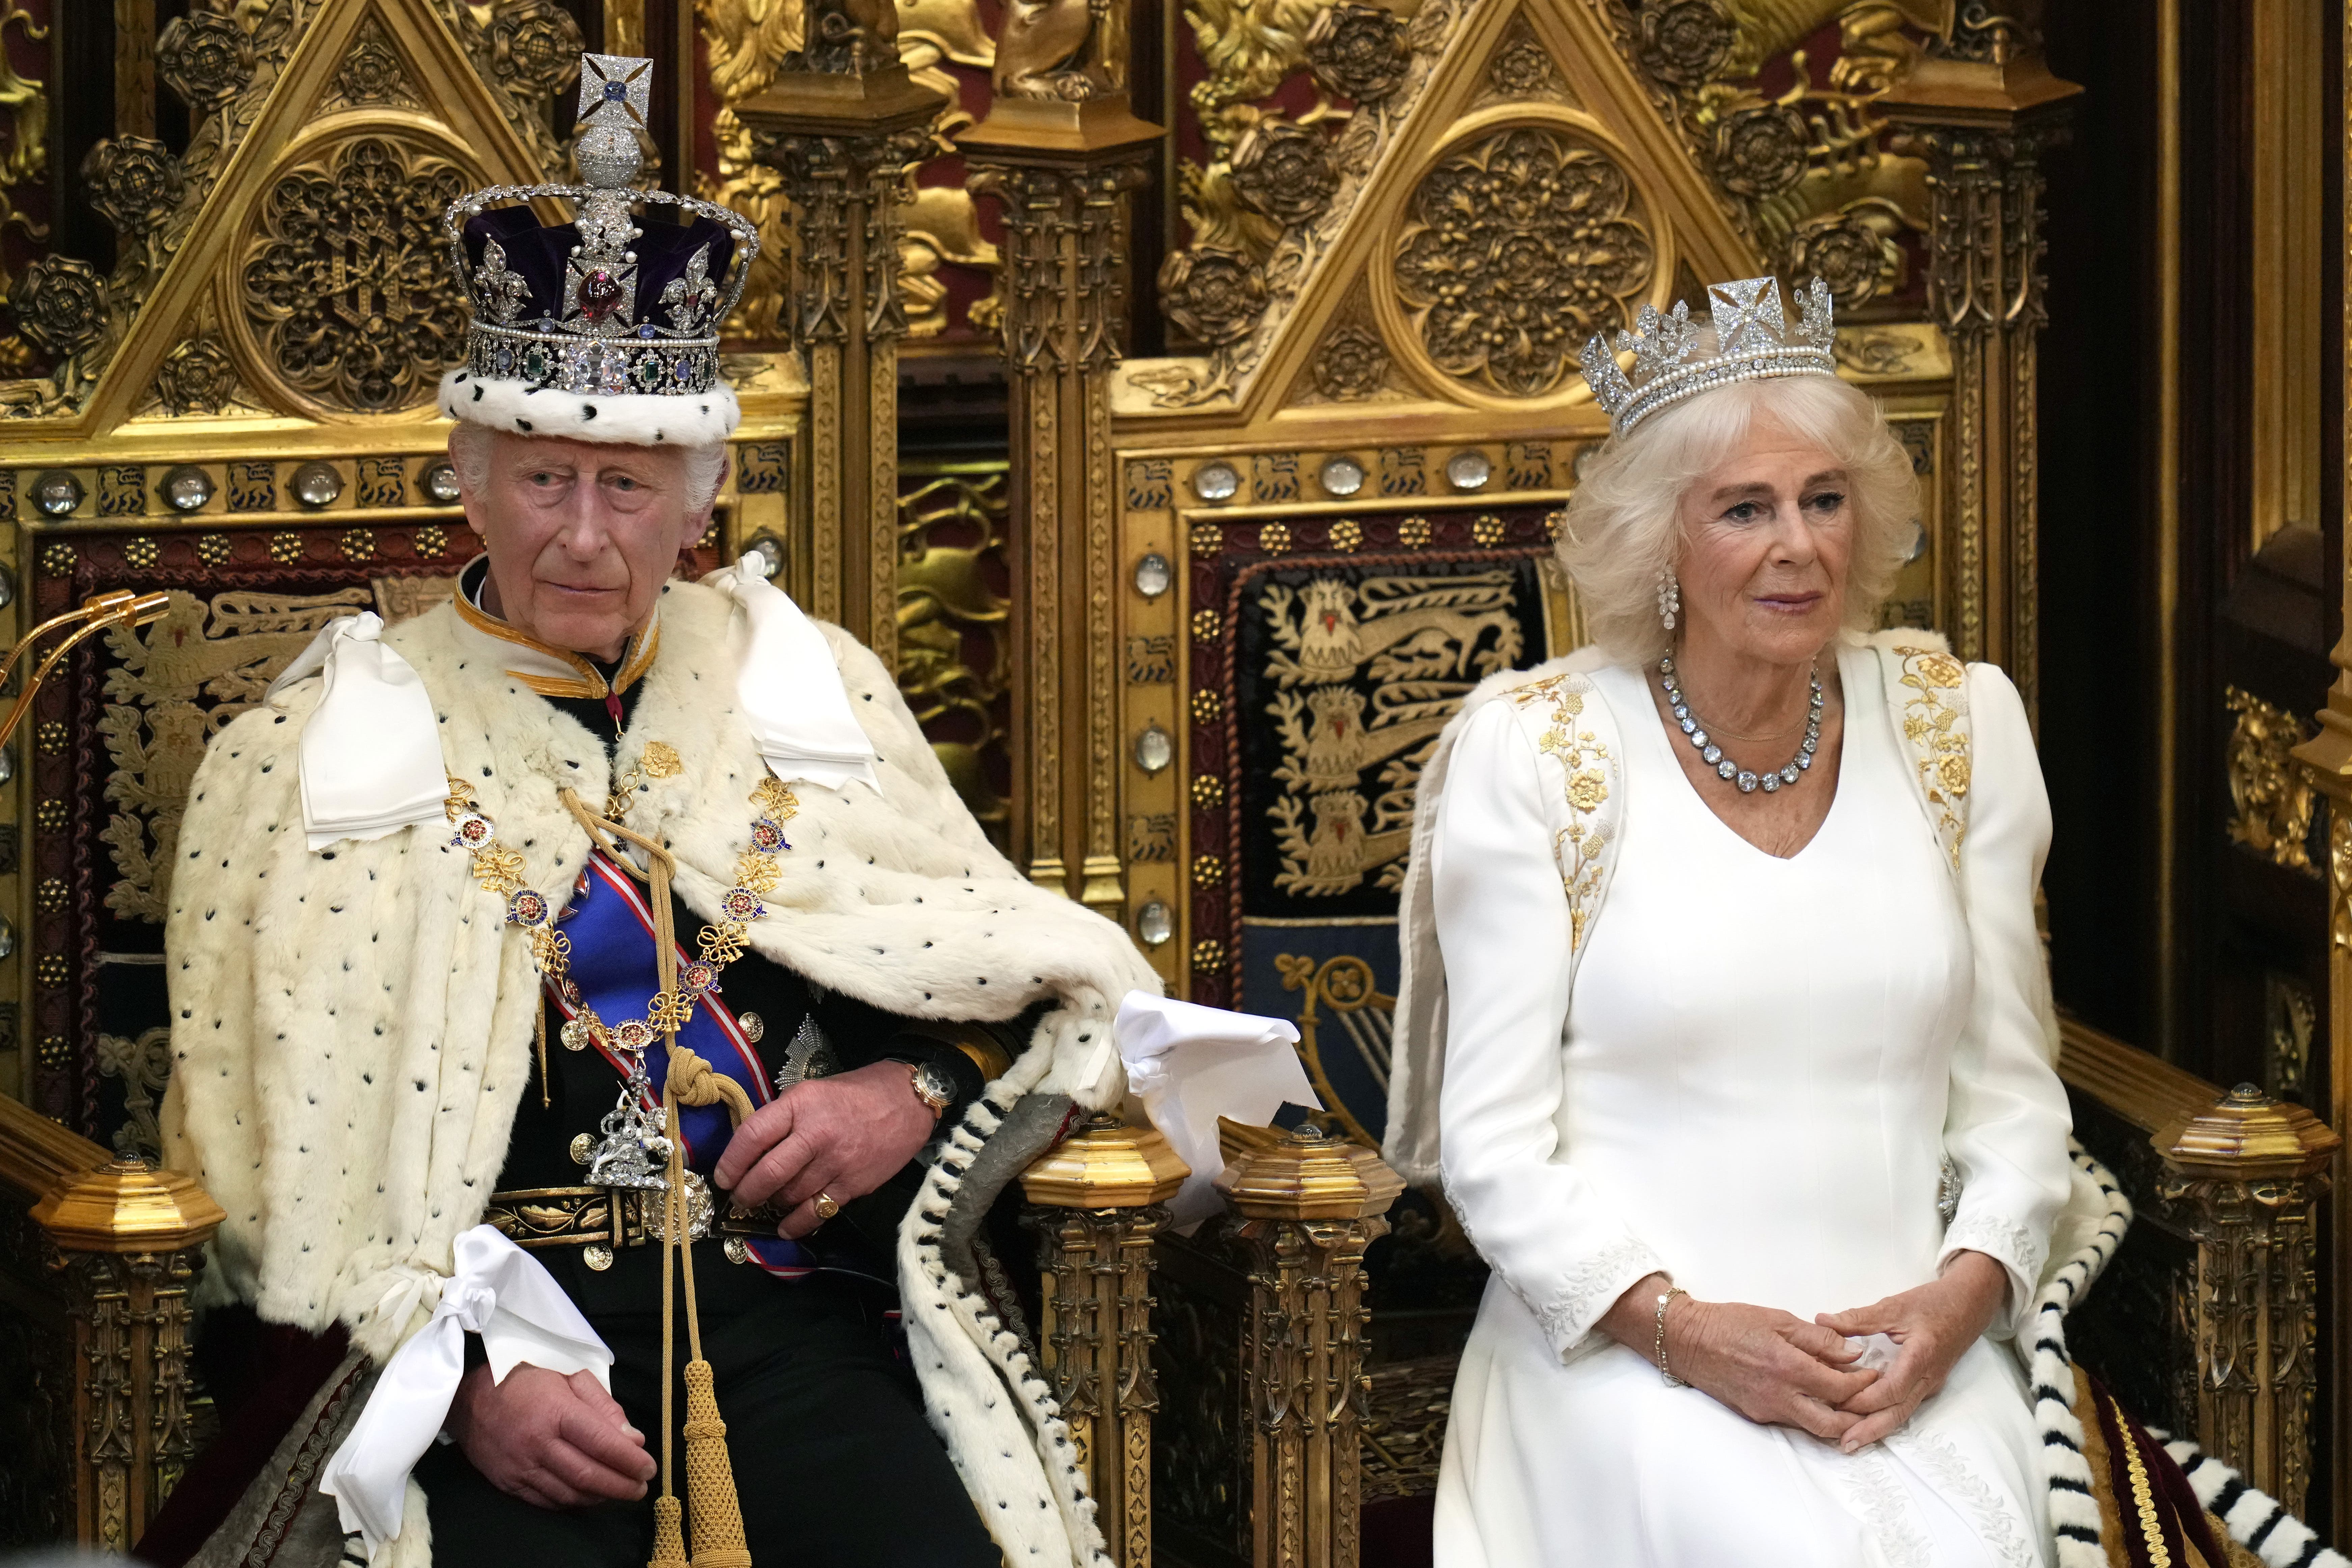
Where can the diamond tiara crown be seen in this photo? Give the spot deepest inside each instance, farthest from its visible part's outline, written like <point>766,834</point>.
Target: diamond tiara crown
<point>559,308</point>
<point>1752,342</point>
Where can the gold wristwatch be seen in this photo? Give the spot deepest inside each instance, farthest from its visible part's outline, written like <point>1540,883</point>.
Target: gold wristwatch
<point>935,1089</point>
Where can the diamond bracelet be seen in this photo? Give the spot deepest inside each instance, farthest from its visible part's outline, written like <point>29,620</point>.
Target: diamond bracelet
<point>1672,1381</point>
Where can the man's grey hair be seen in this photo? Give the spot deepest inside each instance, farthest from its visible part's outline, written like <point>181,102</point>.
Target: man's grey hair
<point>705,467</point>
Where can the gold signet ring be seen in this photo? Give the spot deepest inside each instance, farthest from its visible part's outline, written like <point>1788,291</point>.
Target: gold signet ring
<point>826,1208</point>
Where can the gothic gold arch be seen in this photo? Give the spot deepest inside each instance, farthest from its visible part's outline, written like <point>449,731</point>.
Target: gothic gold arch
<point>1383,418</point>
<point>1553,65</point>
<point>447,106</point>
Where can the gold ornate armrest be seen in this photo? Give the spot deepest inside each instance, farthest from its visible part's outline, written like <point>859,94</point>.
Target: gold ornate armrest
<point>1101,1194</point>
<point>124,1242</point>
<point>1309,1204</point>
<point>2239,1175</point>
<point>1305,1206</point>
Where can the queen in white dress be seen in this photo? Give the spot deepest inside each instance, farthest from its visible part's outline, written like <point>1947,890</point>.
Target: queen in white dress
<point>1732,1010</point>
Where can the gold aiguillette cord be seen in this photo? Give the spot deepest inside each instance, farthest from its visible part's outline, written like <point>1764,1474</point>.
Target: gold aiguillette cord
<point>719,1539</point>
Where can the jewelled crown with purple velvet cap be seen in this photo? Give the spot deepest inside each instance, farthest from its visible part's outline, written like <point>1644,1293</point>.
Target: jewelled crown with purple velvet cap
<point>605,328</point>
<point>1752,342</point>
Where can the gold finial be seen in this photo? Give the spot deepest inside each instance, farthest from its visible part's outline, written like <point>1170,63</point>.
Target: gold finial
<point>2247,1136</point>
<point>1108,1165</point>
<point>128,1206</point>
<point>1309,1175</point>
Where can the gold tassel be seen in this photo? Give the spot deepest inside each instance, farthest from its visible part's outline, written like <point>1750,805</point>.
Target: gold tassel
<point>669,1539</point>
<point>719,1539</point>
<point>669,1544</point>
<point>710,1478</point>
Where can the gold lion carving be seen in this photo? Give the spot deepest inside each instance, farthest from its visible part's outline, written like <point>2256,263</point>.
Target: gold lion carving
<point>1065,50</point>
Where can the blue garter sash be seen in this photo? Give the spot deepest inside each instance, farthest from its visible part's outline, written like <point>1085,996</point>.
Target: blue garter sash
<point>613,964</point>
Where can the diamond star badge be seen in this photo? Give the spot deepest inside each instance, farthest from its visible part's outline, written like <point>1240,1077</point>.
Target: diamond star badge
<point>1747,315</point>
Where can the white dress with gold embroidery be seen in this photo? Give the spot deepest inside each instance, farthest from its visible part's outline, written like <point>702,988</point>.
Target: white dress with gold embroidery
<point>1750,1086</point>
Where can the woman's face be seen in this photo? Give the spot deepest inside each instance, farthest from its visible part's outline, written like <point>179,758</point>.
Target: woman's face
<point>1767,536</point>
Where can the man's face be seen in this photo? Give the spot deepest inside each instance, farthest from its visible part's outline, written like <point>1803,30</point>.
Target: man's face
<point>581,536</point>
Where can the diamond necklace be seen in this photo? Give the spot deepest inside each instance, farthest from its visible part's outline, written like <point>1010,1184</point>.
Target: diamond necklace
<point>1725,768</point>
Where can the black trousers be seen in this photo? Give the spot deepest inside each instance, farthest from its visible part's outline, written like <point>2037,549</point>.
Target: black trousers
<point>834,1462</point>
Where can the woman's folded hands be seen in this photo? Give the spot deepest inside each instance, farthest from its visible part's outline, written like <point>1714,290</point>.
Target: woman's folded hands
<point>1779,1370</point>
<point>1772,1366</point>
<point>1932,1325</point>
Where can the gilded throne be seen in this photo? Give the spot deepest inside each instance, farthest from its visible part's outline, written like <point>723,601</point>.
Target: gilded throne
<point>1186,635</point>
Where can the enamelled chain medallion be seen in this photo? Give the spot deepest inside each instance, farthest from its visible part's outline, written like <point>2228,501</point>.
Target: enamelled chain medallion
<point>634,1147</point>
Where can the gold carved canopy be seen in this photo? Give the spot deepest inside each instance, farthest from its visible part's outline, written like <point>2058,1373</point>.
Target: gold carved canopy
<point>1346,486</point>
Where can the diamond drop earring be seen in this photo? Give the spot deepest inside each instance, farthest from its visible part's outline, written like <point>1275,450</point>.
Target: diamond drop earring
<point>1670,598</point>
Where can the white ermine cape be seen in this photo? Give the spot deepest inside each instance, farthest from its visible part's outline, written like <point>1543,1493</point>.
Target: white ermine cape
<point>353,1026</point>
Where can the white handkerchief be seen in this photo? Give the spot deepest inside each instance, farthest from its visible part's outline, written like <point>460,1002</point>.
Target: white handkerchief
<point>1878,1352</point>
<point>370,750</point>
<point>791,690</point>
<point>1191,1065</point>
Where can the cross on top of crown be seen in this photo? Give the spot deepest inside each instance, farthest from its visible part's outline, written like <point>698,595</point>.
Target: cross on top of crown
<point>616,83</point>
<point>1747,315</point>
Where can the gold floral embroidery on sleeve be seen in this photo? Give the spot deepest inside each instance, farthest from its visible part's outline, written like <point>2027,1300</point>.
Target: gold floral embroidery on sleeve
<point>1936,728</point>
<point>1585,767</point>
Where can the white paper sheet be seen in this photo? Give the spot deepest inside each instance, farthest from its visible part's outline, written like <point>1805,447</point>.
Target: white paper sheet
<point>1189,1065</point>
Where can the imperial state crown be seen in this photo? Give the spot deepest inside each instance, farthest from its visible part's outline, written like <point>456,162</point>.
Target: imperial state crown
<point>605,328</point>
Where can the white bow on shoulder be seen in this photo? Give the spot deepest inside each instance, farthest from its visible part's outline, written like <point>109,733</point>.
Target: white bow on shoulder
<point>371,749</point>
<point>790,688</point>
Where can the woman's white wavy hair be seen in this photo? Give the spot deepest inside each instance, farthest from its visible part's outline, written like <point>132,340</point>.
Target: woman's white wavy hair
<point>1623,528</point>
<point>706,466</point>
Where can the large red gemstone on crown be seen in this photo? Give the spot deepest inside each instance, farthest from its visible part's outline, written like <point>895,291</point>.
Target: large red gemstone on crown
<point>600,296</point>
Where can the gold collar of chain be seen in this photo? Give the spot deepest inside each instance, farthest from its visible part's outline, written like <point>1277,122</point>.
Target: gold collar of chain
<point>500,869</point>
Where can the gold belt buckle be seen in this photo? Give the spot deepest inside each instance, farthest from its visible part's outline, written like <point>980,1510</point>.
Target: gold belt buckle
<point>536,1217</point>
<point>598,1219</point>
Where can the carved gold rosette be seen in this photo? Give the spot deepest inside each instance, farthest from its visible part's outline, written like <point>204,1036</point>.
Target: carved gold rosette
<point>1523,240</point>
<point>2272,801</point>
<point>345,298</point>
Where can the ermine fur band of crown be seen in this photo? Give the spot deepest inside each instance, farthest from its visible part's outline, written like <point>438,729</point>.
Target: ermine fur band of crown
<point>605,308</point>
<point>1752,344</point>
